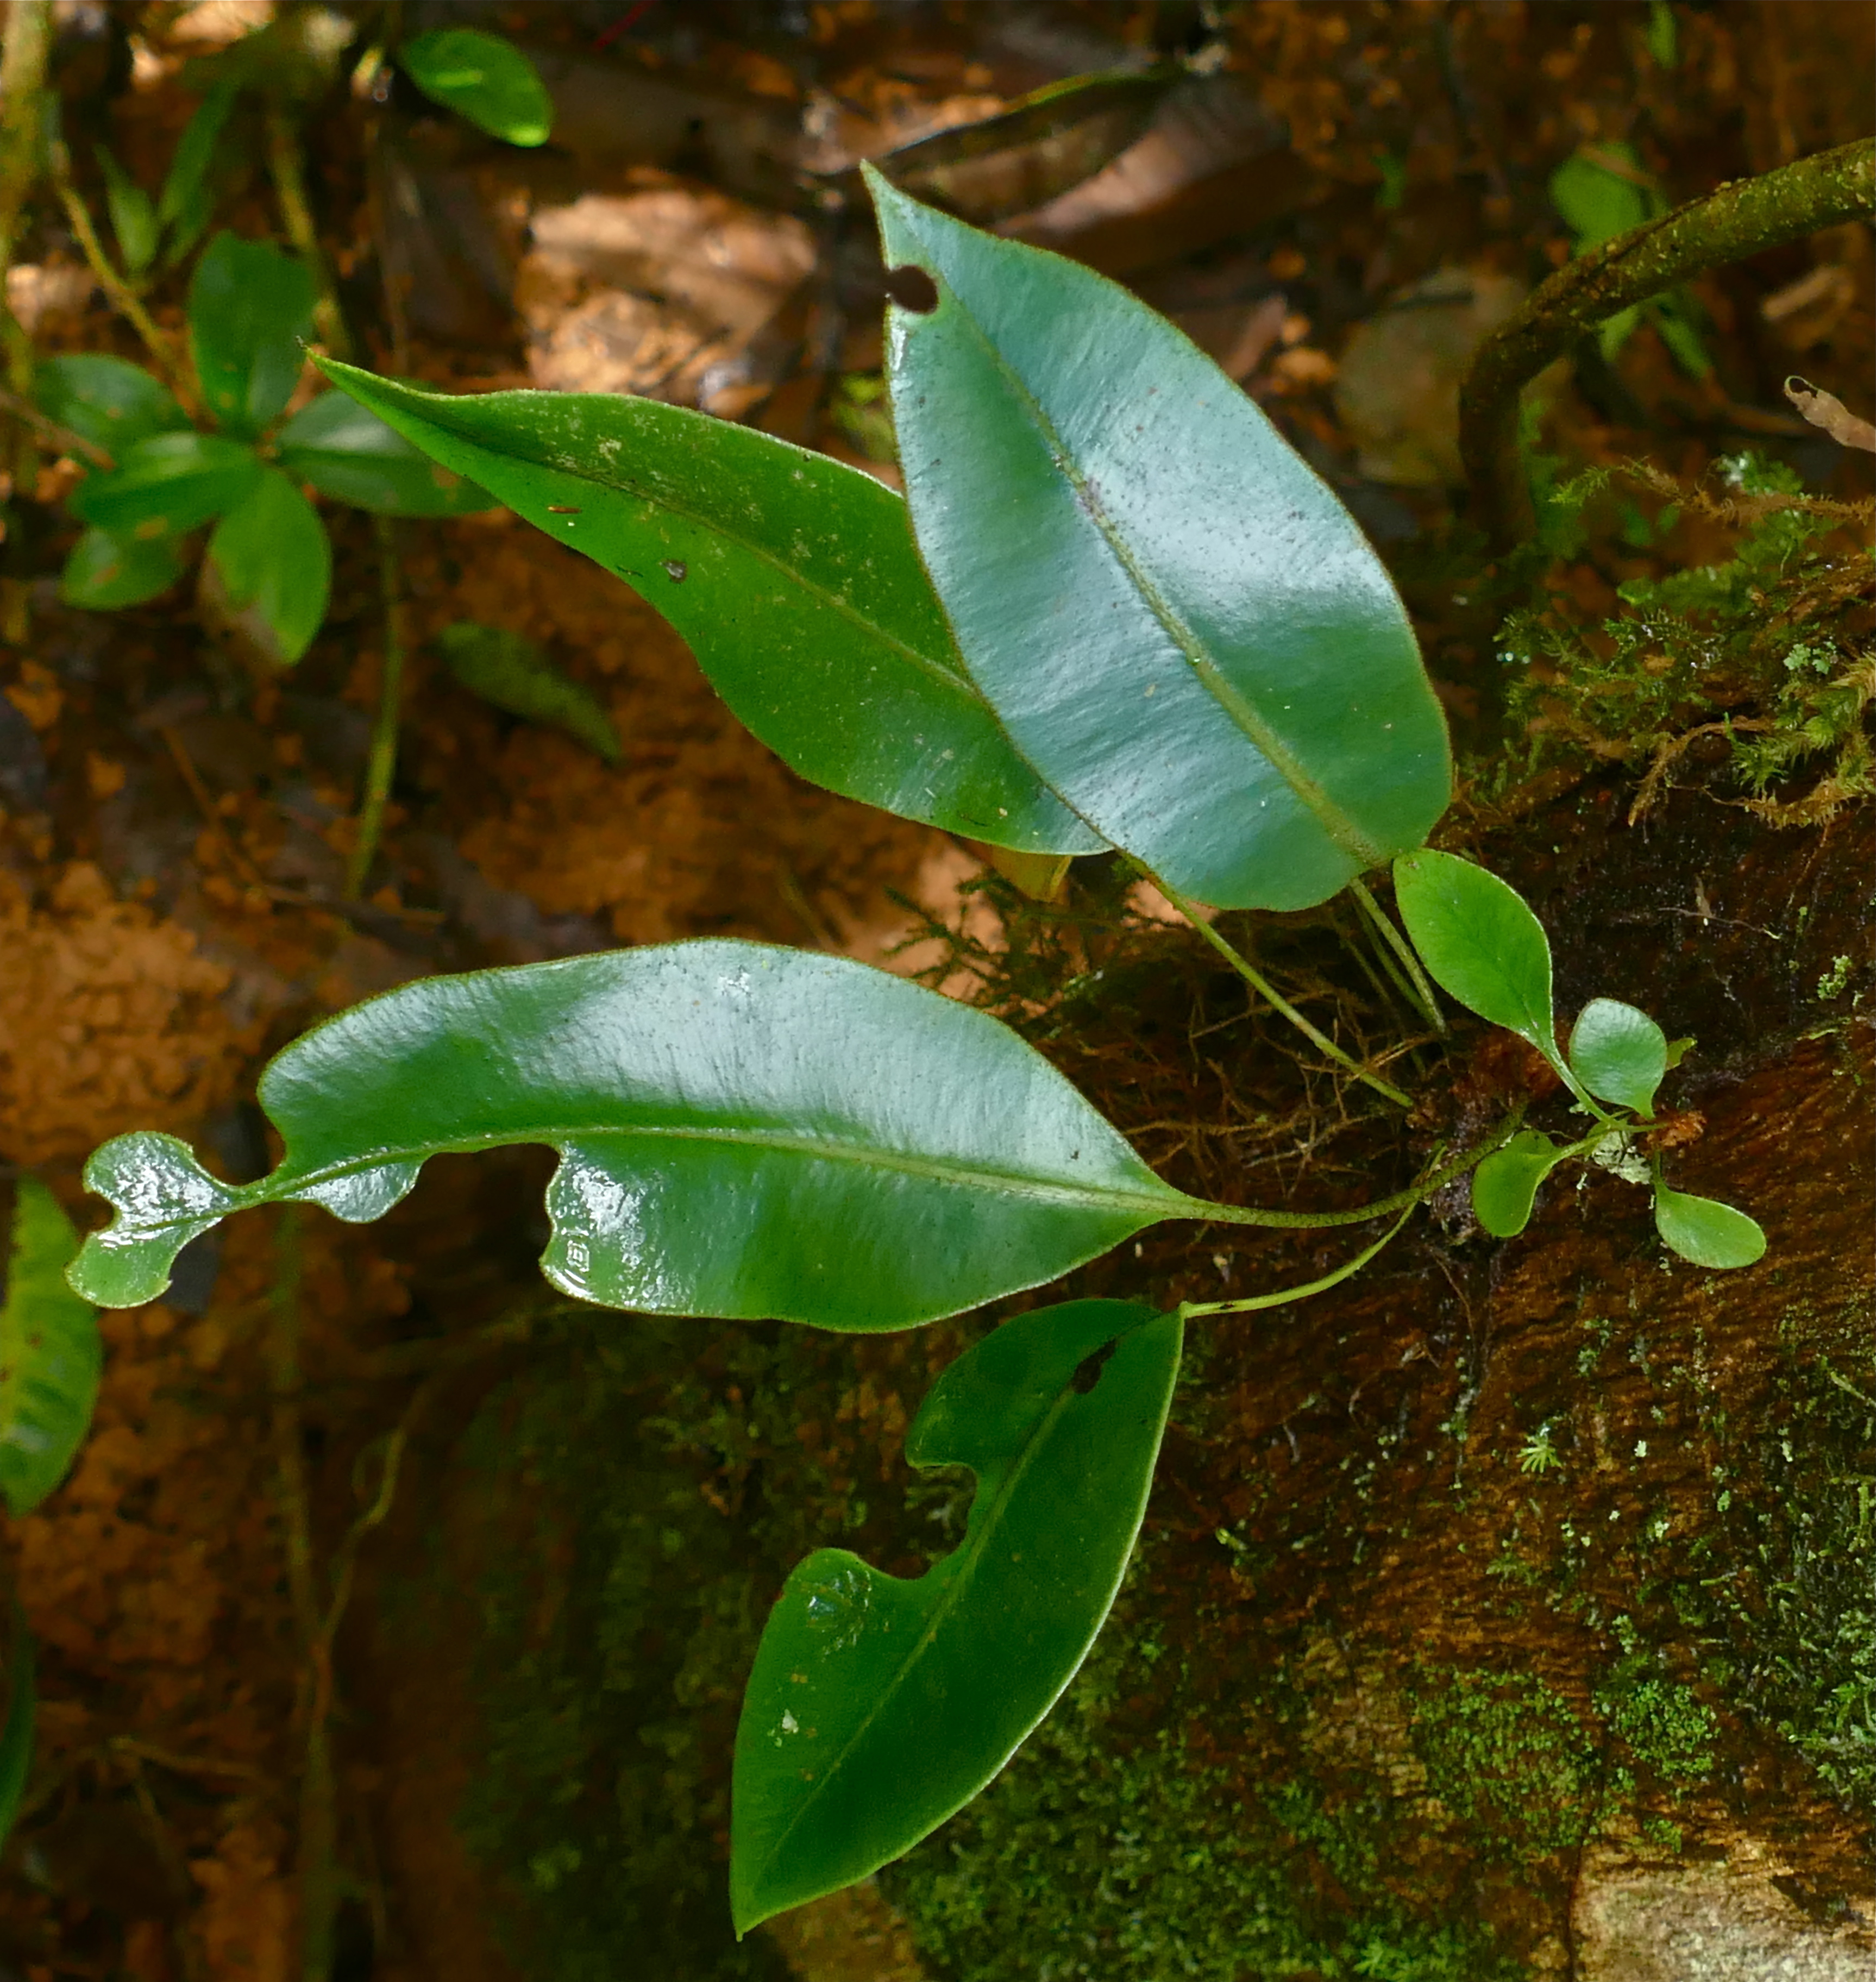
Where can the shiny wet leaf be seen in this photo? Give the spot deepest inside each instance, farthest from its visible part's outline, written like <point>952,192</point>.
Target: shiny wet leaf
<point>1178,624</point>
<point>743,1131</point>
<point>1619,1054</point>
<point>880,1705</point>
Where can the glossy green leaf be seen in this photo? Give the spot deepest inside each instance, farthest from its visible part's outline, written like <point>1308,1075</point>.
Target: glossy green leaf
<point>512,672</point>
<point>169,484</point>
<point>273,566</point>
<point>348,453</point>
<point>133,214</point>
<point>483,78</point>
<point>106,571</point>
<point>1180,627</point>
<point>878,1706</point>
<point>250,311</point>
<point>111,401</point>
<point>1504,1187</point>
<point>16,1737</point>
<point>1480,942</point>
<point>184,207</point>
<point>743,1131</point>
<point>1704,1230</point>
<point>50,1354</point>
<point>1619,1054</point>
<point>794,579</point>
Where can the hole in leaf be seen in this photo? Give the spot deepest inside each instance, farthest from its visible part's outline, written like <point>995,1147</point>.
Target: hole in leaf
<point>912,288</point>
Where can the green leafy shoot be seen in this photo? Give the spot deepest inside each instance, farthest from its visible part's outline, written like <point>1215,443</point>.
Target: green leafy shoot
<point>107,571</point>
<point>512,672</point>
<point>878,1706</point>
<point>1619,1054</point>
<point>1504,1187</point>
<point>484,78</point>
<point>50,1354</point>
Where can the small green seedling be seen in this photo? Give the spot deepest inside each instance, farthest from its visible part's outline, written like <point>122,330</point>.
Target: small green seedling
<point>1483,944</point>
<point>268,570</point>
<point>1115,612</point>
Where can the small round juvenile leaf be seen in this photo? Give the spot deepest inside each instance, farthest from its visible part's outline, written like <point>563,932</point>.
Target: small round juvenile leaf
<point>744,1131</point>
<point>880,1705</point>
<point>483,78</point>
<point>348,453</point>
<point>111,401</point>
<point>1178,624</point>
<point>250,309</point>
<point>1619,1054</point>
<point>50,1354</point>
<point>273,567</point>
<point>1707,1232</point>
<point>1504,1187</point>
<point>1478,941</point>
<point>106,571</point>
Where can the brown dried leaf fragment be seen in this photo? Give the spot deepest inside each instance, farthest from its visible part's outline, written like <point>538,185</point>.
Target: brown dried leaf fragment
<point>1823,409</point>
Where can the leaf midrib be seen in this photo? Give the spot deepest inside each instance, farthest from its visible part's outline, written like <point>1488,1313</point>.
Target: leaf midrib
<point>951,678</point>
<point>975,1550</point>
<point>1341,829</point>
<point>904,1163</point>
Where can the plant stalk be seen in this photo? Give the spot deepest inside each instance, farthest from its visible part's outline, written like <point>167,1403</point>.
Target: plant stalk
<point>1383,924</point>
<point>1741,218</point>
<point>1265,989</point>
<point>287,165</point>
<point>124,299</point>
<point>1401,1200</point>
<point>318,1795</point>
<point>27,39</point>
<point>1284,1296</point>
<point>381,767</point>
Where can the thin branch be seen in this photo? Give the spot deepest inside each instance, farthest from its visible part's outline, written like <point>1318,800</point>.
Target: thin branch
<point>285,164</point>
<point>1741,218</point>
<point>1284,1296</point>
<point>124,299</point>
<point>1267,991</point>
<point>53,433</point>
<point>1403,950</point>
<point>381,767</point>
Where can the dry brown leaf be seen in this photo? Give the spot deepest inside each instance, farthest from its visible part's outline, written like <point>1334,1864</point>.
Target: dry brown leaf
<point>1823,409</point>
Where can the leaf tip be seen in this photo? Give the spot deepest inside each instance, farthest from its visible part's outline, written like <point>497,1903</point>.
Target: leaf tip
<point>163,1199</point>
